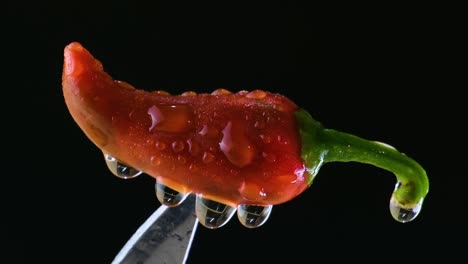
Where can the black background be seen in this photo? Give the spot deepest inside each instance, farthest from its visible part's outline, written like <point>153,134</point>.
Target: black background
<point>393,75</point>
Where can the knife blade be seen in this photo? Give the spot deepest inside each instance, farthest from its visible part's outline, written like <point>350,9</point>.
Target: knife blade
<point>165,237</point>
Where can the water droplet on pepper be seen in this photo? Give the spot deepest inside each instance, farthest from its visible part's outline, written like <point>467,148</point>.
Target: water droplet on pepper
<point>189,93</point>
<point>155,161</point>
<point>169,196</point>
<point>161,93</point>
<point>209,131</point>
<point>252,216</point>
<point>212,214</point>
<point>160,145</point>
<point>119,169</point>
<point>221,91</point>
<point>170,118</point>
<point>208,157</point>
<point>177,146</point>
<point>256,94</point>
<point>194,147</point>
<point>236,146</point>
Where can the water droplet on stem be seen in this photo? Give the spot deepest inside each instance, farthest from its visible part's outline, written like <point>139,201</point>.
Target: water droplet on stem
<point>404,214</point>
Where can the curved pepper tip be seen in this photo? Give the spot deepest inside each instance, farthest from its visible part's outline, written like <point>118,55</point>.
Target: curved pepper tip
<point>79,92</point>
<point>72,54</point>
<point>77,59</point>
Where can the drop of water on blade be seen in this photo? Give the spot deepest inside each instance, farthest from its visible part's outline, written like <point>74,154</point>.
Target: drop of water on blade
<point>404,214</point>
<point>212,214</point>
<point>119,169</point>
<point>253,216</point>
<point>169,196</point>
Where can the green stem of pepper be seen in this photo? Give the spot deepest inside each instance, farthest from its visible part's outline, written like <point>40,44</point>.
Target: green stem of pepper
<point>320,146</point>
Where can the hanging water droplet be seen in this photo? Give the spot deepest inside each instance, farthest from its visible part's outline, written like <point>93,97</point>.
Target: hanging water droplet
<point>169,196</point>
<point>119,169</point>
<point>404,214</point>
<point>212,214</point>
<point>253,216</point>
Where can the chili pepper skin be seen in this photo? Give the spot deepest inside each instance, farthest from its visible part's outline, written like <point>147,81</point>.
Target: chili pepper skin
<point>247,148</point>
<point>225,146</point>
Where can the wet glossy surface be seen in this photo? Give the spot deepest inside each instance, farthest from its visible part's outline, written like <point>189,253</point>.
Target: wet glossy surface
<point>235,145</point>
<point>223,145</point>
<point>173,118</point>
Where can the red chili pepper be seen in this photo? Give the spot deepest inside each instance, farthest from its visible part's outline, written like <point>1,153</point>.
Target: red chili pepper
<point>252,149</point>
